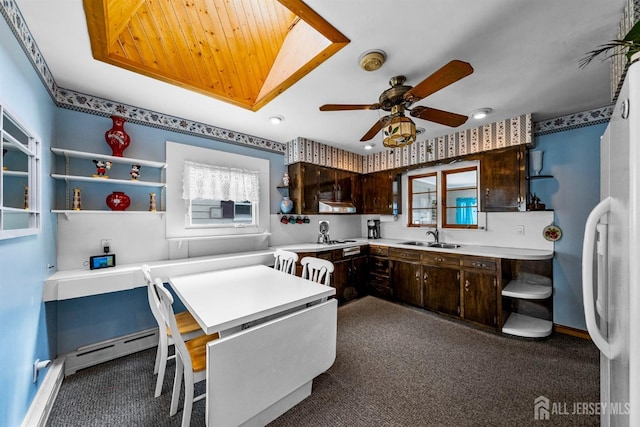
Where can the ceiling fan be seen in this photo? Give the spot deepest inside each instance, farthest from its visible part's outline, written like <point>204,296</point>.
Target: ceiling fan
<point>398,129</point>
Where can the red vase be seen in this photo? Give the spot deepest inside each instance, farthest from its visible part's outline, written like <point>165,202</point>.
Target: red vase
<point>116,137</point>
<point>118,201</point>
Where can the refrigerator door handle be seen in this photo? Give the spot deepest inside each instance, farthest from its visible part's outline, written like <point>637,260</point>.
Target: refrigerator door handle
<point>587,276</point>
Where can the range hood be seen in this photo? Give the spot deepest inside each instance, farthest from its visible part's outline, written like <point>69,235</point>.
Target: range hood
<point>326,206</point>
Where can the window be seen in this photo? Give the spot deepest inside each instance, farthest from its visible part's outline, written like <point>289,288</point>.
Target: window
<point>460,198</point>
<point>220,196</point>
<point>446,197</point>
<point>19,179</point>
<point>423,191</point>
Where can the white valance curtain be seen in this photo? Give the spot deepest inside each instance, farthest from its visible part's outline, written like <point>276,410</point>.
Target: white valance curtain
<point>202,181</point>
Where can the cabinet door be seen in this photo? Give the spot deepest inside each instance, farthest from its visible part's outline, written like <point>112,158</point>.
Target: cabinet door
<point>406,279</point>
<point>441,289</point>
<point>348,188</point>
<point>356,278</point>
<point>479,297</point>
<point>310,188</point>
<point>340,279</point>
<point>502,180</point>
<point>377,193</point>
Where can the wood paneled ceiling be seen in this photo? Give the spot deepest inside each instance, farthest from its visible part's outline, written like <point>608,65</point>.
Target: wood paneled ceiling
<point>244,52</point>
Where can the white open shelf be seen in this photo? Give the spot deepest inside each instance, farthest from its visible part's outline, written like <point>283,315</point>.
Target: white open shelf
<point>98,180</point>
<point>527,326</point>
<point>113,159</point>
<point>15,173</point>
<point>527,290</point>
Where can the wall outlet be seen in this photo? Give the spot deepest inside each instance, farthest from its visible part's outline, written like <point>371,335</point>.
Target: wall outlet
<point>105,243</point>
<point>520,230</point>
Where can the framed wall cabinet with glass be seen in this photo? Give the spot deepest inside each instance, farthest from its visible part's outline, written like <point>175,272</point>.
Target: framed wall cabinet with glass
<point>19,178</point>
<point>445,198</point>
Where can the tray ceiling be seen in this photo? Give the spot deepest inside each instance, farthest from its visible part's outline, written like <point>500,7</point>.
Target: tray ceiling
<point>244,52</point>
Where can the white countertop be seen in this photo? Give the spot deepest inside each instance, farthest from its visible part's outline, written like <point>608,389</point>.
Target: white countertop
<point>68,284</point>
<point>476,250</point>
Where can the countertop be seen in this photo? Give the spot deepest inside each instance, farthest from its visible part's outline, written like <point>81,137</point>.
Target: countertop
<point>476,250</point>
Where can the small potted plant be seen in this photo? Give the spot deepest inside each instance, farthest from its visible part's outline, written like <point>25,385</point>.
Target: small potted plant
<point>617,47</point>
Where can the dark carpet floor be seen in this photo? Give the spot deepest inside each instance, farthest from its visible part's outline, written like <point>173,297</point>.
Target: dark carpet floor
<point>395,366</point>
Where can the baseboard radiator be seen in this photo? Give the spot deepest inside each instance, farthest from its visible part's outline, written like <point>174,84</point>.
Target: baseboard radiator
<point>42,403</point>
<point>104,351</point>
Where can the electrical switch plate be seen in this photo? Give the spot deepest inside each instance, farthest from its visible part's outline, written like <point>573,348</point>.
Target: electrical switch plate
<point>520,230</point>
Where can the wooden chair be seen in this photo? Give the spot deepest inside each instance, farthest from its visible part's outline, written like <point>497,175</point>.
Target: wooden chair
<point>285,261</point>
<point>191,358</point>
<point>317,269</point>
<point>187,325</point>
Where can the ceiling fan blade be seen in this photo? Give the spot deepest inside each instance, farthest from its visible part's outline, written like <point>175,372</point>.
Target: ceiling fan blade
<point>377,127</point>
<point>439,116</point>
<point>448,74</point>
<point>345,107</point>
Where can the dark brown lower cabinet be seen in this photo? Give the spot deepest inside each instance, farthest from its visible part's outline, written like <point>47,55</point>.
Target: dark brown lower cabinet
<point>441,289</point>
<point>350,278</point>
<point>480,291</point>
<point>406,279</point>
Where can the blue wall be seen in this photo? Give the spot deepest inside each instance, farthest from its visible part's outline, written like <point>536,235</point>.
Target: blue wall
<point>23,260</point>
<point>573,158</point>
<point>88,320</point>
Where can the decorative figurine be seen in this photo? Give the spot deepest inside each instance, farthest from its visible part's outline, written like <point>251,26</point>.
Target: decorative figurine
<point>102,168</point>
<point>26,198</point>
<point>152,202</point>
<point>285,179</point>
<point>4,151</point>
<point>135,172</point>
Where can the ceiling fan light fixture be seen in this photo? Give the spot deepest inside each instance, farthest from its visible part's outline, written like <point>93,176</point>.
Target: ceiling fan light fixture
<point>276,120</point>
<point>372,60</point>
<point>481,113</point>
<point>399,132</point>
<point>368,146</point>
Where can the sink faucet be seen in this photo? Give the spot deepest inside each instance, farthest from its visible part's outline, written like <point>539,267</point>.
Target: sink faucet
<point>435,234</point>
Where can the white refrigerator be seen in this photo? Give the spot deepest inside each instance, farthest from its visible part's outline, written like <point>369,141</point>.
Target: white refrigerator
<point>611,261</point>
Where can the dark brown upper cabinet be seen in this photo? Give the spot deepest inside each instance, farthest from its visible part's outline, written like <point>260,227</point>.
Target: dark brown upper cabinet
<point>502,179</point>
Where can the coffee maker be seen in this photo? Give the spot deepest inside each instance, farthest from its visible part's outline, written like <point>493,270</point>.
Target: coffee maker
<point>373,227</point>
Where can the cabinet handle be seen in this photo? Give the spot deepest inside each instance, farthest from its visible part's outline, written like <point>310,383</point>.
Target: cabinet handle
<point>439,259</point>
<point>426,276</point>
<point>458,275</point>
<point>466,285</point>
<point>487,192</point>
<point>417,276</point>
<point>479,264</point>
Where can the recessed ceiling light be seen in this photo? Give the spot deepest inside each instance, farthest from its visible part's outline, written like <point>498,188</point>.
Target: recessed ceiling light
<point>276,120</point>
<point>368,146</point>
<point>481,113</point>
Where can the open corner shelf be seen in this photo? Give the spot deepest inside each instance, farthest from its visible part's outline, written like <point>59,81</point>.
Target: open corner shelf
<point>527,290</point>
<point>527,326</point>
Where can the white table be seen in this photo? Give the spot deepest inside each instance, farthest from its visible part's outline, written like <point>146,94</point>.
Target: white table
<point>256,374</point>
<point>224,300</point>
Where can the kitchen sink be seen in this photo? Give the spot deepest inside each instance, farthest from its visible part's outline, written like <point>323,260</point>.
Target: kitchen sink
<point>444,245</point>
<point>432,244</point>
<point>415,243</point>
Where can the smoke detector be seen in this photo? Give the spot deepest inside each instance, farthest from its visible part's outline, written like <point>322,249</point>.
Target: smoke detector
<point>372,60</point>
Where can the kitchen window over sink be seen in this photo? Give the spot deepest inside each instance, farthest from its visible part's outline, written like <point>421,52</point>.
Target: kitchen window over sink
<point>444,197</point>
